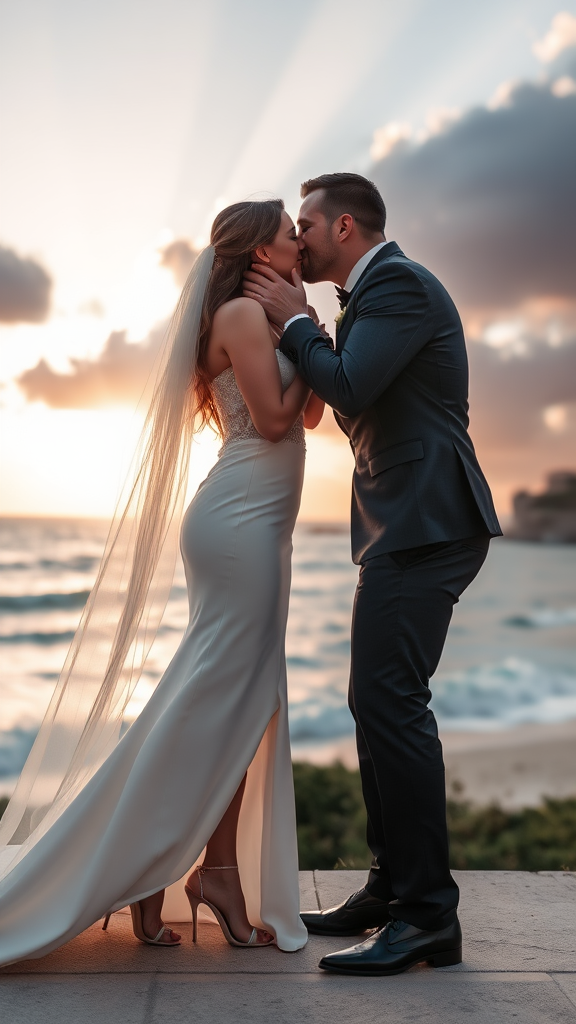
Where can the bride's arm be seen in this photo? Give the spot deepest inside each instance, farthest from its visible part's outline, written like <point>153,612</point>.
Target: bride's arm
<point>314,411</point>
<point>243,333</point>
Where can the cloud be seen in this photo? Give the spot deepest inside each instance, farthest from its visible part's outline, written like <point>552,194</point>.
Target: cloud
<point>118,376</point>
<point>487,202</point>
<point>523,413</point>
<point>485,199</point>
<point>512,393</point>
<point>120,373</point>
<point>24,289</point>
<point>178,257</point>
<point>386,139</point>
<point>560,36</point>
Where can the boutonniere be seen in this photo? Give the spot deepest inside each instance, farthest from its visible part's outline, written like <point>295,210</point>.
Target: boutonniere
<point>338,319</point>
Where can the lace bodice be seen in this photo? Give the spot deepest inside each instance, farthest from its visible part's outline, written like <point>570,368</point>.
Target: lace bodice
<point>233,411</point>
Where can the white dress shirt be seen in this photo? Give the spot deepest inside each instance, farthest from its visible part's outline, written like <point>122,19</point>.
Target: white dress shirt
<point>359,268</point>
<point>352,279</point>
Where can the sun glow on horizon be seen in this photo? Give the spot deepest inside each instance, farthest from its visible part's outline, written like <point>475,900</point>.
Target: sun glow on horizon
<point>73,462</point>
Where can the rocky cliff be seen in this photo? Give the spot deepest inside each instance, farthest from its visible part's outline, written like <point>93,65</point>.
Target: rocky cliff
<point>549,516</point>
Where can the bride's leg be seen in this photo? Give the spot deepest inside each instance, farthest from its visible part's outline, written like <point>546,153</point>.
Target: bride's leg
<point>223,887</point>
<point>152,922</point>
<point>221,847</point>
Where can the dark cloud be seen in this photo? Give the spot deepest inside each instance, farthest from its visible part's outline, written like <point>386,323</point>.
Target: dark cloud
<point>489,204</point>
<point>118,376</point>
<point>511,399</point>
<point>509,392</point>
<point>178,257</point>
<point>24,289</point>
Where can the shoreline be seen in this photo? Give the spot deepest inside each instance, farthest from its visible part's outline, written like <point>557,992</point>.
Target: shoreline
<point>514,767</point>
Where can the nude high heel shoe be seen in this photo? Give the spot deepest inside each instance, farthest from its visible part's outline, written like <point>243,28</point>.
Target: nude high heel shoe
<point>196,900</point>
<point>136,912</point>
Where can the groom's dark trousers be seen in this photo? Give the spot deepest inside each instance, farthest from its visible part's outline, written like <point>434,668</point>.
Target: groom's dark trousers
<point>402,612</point>
<point>422,517</point>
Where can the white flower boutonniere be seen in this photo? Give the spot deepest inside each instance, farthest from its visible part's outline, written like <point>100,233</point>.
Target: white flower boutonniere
<point>338,319</point>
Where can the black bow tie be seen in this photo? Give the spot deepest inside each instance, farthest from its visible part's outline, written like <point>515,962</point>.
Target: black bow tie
<point>343,296</point>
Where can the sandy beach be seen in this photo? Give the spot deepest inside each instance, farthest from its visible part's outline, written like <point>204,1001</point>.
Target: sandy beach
<point>513,767</point>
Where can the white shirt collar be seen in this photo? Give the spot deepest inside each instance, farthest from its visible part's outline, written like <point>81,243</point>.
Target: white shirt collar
<point>359,268</point>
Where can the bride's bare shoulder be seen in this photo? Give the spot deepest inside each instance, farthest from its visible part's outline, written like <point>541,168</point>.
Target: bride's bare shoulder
<point>239,328</point>
<point>240,313</point>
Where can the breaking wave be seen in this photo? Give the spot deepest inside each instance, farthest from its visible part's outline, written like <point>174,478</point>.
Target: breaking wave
<point>41,602</point>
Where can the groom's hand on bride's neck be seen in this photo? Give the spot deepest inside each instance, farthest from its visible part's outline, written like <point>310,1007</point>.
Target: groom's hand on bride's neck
<point>279,299</point>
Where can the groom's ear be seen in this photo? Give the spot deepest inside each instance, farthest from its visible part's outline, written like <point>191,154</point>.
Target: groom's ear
<point>260,255</point>
<point>343,226</point>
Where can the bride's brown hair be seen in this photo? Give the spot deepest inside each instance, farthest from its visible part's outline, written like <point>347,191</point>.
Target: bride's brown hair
<point>236,232</point>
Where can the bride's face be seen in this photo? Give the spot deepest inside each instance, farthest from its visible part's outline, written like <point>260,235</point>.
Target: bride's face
<point>283,253</point>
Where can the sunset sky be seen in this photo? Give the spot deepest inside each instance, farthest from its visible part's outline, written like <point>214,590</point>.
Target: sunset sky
<point>125,126</point>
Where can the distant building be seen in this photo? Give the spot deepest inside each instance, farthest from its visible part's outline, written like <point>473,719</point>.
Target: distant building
<point>549,516</point>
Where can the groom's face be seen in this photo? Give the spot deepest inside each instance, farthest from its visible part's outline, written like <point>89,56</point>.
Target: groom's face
<point>315,236</point>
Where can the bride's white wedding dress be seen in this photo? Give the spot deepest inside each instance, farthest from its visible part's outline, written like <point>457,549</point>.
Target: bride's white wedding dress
<point>219,710</point>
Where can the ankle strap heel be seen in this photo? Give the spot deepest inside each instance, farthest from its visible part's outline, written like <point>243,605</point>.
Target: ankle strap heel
<point>195,901</point>
<point>212,867</point>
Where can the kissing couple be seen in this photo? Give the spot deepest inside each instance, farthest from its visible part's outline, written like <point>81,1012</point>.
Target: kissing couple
<point>197,792</point>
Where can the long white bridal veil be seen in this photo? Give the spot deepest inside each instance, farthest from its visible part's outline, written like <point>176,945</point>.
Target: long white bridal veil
<point>84,718</point>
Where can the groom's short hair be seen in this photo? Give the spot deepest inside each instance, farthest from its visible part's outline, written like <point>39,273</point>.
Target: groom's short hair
<point>349,193</point>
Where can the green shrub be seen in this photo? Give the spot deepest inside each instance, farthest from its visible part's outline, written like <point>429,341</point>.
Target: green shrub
<point>532,839</point>
<point>331,817</point>
<point>332,828</point>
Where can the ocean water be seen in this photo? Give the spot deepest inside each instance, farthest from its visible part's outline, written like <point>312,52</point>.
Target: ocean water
<point>510,657</point>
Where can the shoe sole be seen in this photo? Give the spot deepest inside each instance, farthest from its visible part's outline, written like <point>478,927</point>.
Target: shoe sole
<point>447,958</point>
<point>345,934</point>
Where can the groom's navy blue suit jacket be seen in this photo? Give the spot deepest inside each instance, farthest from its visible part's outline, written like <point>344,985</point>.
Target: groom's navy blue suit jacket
<point>398,384</point>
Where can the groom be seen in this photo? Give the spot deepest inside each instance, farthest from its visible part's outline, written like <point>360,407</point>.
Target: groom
<point>422,518</point>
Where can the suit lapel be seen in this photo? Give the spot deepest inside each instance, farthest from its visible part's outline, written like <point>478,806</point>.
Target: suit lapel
<point>387,251</point>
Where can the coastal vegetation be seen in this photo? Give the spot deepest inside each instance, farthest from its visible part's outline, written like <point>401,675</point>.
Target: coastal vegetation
<point>332,828</point>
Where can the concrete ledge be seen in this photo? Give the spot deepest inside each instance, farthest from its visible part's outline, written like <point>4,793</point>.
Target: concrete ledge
<point>511,920</point>
<point>519,963</point>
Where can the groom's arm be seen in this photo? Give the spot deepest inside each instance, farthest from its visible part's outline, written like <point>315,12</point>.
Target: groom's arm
<point>393,322</point>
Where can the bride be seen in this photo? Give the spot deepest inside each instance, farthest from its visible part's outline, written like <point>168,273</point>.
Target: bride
<point>105,817</point>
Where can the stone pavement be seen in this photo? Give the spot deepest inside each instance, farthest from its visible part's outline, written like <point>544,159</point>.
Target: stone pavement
<point>519,966</point>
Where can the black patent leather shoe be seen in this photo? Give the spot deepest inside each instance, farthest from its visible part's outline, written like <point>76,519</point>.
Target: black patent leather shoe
<point>397,947</point>
<point>357,914</point>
